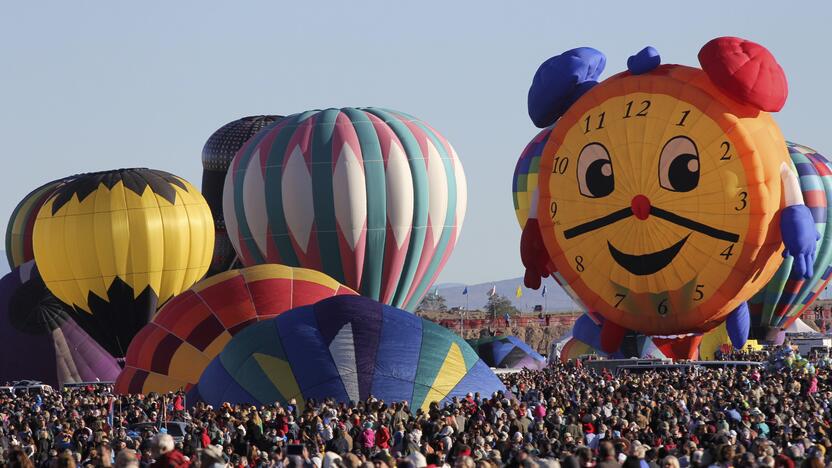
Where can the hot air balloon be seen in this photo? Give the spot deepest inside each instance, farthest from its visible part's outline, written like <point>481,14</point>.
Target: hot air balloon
<point>38,338</point>
<point>171,351</point>
<point>507,352</point>
<point>666,193</point>
<point>573,349</point>
<point>784,299</point>
<point>22,222</point>
<point>718,340</point>
<point>217,154</point>
<point>372,197</point>
<point>116,244</point>
<point>346,348</point>
<point>524,182</point>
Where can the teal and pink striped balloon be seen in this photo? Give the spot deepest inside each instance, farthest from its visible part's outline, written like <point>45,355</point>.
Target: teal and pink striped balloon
<point>784,299</point>
<point>372,197</point>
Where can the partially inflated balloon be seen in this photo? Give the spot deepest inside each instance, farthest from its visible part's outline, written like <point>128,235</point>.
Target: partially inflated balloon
<point>346,348</point>
<point>38,338</point>
<point>22,222</point>
<point>524,182</point>
<point>718,340</point>
<point>507,352</point>
<point>784,299</point>
<point>573,349</point>
<point>116,244</point>
<point>217,155</point>
<point>372,197</point>
<point>171,351</point>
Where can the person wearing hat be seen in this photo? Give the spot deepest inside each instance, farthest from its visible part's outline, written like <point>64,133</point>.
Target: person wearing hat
<point>164,454</point>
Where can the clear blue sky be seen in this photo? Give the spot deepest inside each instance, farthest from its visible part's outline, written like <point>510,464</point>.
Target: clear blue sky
<point>89,86</point>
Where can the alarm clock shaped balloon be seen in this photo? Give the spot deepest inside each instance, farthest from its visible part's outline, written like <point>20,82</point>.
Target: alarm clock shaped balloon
<point>666,197</point>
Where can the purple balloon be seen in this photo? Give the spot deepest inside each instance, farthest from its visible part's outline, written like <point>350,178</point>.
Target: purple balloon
<point>33,322</point>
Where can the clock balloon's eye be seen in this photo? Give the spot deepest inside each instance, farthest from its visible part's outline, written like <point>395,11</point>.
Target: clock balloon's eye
<point>679,165</point>
<point>595,177</point>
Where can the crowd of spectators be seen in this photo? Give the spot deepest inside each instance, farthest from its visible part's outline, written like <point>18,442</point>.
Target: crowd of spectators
<point>563,415</point>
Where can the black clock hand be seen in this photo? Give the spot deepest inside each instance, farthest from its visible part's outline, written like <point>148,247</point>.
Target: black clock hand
<point>598,223</point>
<point>694,225</point>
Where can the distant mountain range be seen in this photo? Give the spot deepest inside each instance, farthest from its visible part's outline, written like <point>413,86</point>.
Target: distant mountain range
<point>556,299</point>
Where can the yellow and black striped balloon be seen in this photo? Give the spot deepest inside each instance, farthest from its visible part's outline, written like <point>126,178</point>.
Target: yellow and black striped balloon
<point>117,244</point>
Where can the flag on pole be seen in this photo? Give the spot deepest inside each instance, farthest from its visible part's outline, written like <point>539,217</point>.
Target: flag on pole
<point>465,291</point>
<point>519,292</point>
<point>493,290</point>
<point>543,293</point>
<point>110,412</point>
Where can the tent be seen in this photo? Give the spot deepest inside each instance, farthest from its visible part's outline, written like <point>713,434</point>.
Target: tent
<point>799,326</point>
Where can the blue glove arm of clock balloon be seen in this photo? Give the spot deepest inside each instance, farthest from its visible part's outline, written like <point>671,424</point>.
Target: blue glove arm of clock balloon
<point>738,324</point>
<point>560,81</point>
<point>800,237</point>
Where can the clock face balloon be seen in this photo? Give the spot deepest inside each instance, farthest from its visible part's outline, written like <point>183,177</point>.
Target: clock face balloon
<point>658,196</point>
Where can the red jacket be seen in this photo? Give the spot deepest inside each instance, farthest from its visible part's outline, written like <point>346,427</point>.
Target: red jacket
<point>173,459</point>
<point>383,438</point>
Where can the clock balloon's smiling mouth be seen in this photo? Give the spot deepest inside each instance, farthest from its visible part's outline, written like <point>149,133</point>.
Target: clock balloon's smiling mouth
<point>647,264</point>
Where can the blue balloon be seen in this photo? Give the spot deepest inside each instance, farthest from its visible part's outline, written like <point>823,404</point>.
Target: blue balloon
<point>560,81</point>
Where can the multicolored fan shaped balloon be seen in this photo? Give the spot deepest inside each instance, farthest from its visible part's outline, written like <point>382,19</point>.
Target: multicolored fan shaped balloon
<point>116,244</point>
<point>19,248</point>
<point>38,338</point>
<point>524,182</point>
<point>217,155</point>
<point>507,352</point>
<point>784,299</point>
<point>372,197</point>
<point>171,351</point>
<point>346,348</point>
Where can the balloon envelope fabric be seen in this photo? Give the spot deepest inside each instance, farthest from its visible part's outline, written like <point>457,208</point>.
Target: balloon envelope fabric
<point>372,197</point>
<point>785,297</point>
<point>524,183</point>
<point>116,244</point>
<point>39,340</point>
<point>171,351</point>
<point>346,348</point>
<point>217,155</point>
<point>22,222</point>
<point>507,352</point>
<point>573,349</point>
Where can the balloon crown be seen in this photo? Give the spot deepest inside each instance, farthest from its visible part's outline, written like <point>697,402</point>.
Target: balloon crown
<point>135,180</point>
<point>743,70</point>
